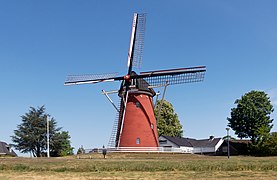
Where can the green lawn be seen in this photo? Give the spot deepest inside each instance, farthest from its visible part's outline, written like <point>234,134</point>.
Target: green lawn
<point>140,166</point>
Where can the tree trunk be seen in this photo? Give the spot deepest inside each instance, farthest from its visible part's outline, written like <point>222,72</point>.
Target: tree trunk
<point>38,152</point>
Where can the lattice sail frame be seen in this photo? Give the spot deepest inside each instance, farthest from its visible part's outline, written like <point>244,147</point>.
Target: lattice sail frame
<point>175,79</point>
<point>152,78</point>
<point>139,40</point>
<point>174,76</point>
<point>89,78</point>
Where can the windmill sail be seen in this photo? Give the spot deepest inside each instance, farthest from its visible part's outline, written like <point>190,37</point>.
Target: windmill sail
<point>91,78</point>
<point>174,76</point>
<point>132,42</point>
<point>136,42</point>
<point>139,40</point>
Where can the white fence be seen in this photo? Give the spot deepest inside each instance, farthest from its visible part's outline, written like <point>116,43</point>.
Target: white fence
<point>142,149</point>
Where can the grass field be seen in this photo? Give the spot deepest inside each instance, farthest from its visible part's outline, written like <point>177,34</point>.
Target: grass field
<point>139,166</point>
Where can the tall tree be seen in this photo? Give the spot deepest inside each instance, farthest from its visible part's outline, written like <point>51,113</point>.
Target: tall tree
<point>168,122</point>
<point>251,118</point>
<point>31,135</point>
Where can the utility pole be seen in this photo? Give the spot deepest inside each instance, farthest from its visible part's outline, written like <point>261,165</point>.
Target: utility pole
<point>228,142</point>
<point>48,148</point>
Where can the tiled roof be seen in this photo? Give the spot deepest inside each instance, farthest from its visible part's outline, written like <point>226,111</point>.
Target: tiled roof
<point>189,142</point>
<point>205,142</point>
<point>244,141</point>
<point>180,141</point>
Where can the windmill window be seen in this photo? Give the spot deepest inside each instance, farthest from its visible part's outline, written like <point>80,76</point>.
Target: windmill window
<point>137,104</point>
<point>138,141</point>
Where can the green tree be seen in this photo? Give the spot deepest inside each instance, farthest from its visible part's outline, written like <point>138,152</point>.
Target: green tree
<point>168,122</point>
<point>81,150</point>
<point>60,144</point>
<point>31,135</point>
<point>266,145</point>
<point>271,144</point>
<point>259,147</point>
<point>251,117</point>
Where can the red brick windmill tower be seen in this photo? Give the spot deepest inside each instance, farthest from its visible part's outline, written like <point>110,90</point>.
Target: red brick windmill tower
<point>136,125</point>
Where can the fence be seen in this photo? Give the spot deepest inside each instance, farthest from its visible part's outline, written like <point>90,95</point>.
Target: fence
<point>142,149</point>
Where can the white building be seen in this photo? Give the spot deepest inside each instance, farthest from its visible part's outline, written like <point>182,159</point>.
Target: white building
<point>188,145</point>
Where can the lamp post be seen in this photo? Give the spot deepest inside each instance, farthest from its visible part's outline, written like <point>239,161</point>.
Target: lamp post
<point>48,149</point>
<point>228,142</point>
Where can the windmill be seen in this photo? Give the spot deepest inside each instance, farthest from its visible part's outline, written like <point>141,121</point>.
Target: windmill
<point>136,124</point>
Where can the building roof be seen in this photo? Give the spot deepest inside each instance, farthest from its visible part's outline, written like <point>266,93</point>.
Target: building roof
<point>4,149</point>
<point>189,142</point>
<point>243,141</point>
<point>205,142</point>
<point>180,141</point>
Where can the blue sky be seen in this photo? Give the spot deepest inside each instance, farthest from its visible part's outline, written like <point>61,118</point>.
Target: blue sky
<point>41,42</point>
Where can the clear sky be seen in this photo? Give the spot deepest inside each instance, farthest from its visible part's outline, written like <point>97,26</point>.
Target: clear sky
<point>41,42</point>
